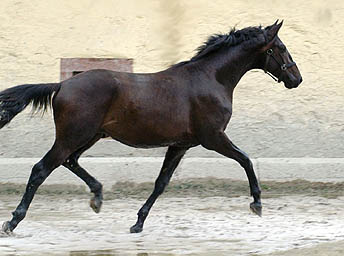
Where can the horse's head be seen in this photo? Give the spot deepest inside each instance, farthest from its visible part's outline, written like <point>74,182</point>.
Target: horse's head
<point>276,59</point>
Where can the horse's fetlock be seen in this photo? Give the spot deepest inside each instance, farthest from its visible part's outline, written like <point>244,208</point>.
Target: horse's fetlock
<point>143,212</point>
<point>96,187</point>
<point>256,192</point>
<point>19,214</point>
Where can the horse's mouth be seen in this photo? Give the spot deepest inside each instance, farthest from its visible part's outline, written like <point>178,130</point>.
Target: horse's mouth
<point>292,84</point>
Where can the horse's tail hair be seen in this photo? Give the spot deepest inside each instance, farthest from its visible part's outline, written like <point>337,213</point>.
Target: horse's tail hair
<point>15,99</point>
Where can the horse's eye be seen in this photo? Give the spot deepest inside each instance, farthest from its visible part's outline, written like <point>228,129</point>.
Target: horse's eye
<point>282,48</point>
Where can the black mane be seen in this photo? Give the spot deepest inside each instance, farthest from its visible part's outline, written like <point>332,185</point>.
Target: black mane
<point>249,35</point>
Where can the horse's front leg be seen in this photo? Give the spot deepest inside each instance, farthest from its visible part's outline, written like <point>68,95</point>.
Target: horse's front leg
<point>219,142</point>
<point>172,159</point>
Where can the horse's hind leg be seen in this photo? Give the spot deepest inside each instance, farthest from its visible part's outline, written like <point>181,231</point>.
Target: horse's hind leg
<point>95,186</point>
<point>54,158</point>
<point>172,159</point>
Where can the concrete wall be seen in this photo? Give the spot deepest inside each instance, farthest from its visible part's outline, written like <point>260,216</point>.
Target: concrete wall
<point>268,120</point>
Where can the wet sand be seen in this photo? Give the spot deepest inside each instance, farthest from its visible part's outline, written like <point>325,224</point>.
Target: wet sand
<point>324,249</point>
<point>63,224</point>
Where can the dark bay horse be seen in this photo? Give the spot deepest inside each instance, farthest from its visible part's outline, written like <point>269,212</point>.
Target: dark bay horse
<point>186,105</point>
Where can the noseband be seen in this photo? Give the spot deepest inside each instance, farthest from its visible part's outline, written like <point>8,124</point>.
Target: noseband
<point>283,66</point>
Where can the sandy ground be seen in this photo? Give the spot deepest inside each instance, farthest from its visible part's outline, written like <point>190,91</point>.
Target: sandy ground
<point>323,249</point>
<point>65,225</point>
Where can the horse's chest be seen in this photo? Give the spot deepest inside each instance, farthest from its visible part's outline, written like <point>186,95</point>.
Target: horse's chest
<point>213,112</point>
<point>221,115</point>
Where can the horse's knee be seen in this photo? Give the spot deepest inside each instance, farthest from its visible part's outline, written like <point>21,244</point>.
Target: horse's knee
<point>38,175</point>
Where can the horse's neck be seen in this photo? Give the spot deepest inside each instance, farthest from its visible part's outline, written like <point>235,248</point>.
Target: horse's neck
<point>229,68</point>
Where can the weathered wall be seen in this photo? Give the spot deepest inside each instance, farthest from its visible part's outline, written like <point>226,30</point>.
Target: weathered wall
<point>268,120</point>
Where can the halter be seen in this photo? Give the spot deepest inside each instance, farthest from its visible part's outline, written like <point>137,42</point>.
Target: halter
<point>283,66</point>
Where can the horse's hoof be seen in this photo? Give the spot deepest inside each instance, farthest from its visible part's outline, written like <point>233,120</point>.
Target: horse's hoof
<point>96,204</point>
<point>6,228</point>
<point>136,229</point>
<point>256,208</point>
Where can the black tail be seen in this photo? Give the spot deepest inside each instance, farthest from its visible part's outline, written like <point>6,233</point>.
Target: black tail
<point>16,99</point>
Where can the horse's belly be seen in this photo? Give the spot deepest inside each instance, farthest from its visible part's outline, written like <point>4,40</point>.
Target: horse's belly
<point>148,135</point>
<point>148,116</point>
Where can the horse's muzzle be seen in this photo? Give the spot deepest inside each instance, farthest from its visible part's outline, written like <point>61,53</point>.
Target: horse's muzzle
<point>292,82</point>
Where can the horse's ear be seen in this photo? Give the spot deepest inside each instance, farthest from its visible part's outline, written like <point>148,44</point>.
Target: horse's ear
<point>272,30</point>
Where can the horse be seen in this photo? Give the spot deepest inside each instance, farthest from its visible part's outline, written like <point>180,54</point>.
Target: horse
<point>186,105</point>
